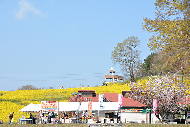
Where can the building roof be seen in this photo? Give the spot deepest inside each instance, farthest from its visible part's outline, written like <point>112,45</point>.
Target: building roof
<point>76,98</point>
<point>112,97</point>
<point>86,91</point>
<point>112,69</point>
<point>131,103</point>
<point>94,99</point>
<point>111,76</point>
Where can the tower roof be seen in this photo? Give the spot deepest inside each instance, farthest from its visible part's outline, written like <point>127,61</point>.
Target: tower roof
<point>112,70</point>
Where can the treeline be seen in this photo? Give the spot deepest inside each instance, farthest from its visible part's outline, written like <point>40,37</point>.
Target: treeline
<point>170,41</point>
<point>171,38</point>
<point>31,87</point>
<point>159,63</point>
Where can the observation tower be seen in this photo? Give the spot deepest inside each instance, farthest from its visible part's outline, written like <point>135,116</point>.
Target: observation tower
<point>113,78</point>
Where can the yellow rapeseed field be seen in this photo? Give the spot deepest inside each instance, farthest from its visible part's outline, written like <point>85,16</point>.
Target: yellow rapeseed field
<point>13,101</point>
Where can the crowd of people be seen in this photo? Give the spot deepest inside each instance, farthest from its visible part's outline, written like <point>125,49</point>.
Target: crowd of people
<point>46,119</point>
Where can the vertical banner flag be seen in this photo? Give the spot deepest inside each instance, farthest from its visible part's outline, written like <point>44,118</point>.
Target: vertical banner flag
<point>120,99</point>
<point>155,105</point>
<point>101,101</point>
<point>90,108</point>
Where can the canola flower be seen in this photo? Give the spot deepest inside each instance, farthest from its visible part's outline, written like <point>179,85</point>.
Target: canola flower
<point>13,101</point>
<point>8,107</point>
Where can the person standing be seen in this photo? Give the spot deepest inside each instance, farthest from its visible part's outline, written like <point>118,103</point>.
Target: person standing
<point>31,117</point>
<point>41,117</point>
<point>11,118</point>
<point>23,117</point>
<point>49,117</point>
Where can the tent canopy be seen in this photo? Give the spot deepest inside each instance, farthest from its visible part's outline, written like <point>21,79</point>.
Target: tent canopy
<point>31,108</point>
<point>74,106</point>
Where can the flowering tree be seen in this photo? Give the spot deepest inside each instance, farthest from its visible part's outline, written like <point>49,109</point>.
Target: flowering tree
<point>170,93</point>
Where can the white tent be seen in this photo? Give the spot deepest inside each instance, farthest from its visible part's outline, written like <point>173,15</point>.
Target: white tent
<point>106,106</point>
<point>69,106</point>
<point>73,106</point>
<point>31,108</point>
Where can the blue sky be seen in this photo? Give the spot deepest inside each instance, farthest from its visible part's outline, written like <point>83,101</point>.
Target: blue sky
<point>66,42</point>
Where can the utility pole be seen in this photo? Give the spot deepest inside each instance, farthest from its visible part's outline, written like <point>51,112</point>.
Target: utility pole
<point>149,116</point>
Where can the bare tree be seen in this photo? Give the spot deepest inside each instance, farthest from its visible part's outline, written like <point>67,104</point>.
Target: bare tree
<point>28,87</point>
<point>127,56</point>
<point>51,87</point>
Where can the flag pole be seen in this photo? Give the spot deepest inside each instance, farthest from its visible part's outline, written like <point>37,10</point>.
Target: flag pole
<point>58,111</point>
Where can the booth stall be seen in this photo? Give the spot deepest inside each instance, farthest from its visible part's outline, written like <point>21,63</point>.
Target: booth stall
<point>73,112</point>
<point>31,108</point>
<point>90,110</point>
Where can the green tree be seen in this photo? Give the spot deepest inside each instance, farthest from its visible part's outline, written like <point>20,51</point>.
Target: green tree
<point>147,66</point>
<point>171,29</point>
<point>156,63</point>
<point>127,56</point>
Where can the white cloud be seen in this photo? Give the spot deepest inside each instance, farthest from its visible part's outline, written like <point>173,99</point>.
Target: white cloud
<point>24,8</point>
